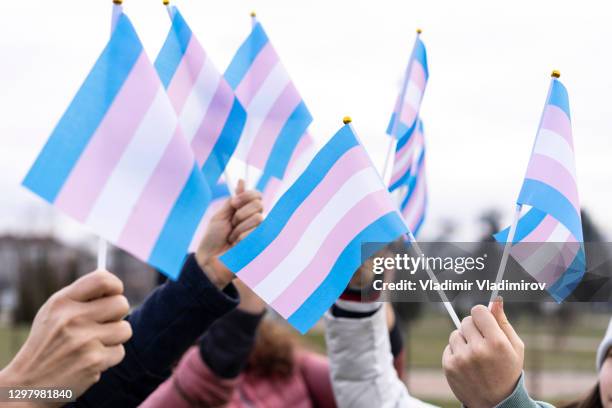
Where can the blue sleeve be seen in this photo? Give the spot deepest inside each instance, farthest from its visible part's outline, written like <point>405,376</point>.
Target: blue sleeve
<point>170,320</point>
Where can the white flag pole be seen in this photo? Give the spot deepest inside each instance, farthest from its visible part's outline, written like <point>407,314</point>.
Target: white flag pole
<point>517,213</point>
<point>102,244</point>
<point>447,304</point>
<point>504,259</point>
<point>398,111</point>
<point>246,162</point>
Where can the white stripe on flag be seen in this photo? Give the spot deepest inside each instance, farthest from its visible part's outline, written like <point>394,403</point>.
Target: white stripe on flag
<point>357,187</point>
<point>199,99</point>
<point>546,251</point>
<point>553,145</point>
<point>260,106</point>
<point>129,178</point>
<point>413,96</point>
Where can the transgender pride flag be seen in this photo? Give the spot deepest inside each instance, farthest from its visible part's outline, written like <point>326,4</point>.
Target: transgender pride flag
<point>409,100</point>
<point>548,241</point>
<point>413,194</point>
<point>276,115</point>
<point>118,162</point>
<point>210,115</point>
<point>300,259</point>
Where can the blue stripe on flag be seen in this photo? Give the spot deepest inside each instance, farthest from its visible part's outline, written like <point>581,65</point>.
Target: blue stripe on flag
<point>86,111</point>
<point>420,55</point>
<point>287,140</point>
<point>527,223</point>
<point>570,278</point>
<point>224,148</point>
<point>386,229</point>
<point>245,56</point>
<point>419,224</point>
<point>263,181</point>
<point>558,96</point>
<point>220,190</point>
<point>402,128</point>
<point>173,49</point>
<point>173,242</point>
<point>239,256</point>
<point>409,178</point>
<point>551,201</point>
<point>404,134</point>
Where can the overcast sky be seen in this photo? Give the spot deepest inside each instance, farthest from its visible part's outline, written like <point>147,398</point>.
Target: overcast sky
<point>489,72</point>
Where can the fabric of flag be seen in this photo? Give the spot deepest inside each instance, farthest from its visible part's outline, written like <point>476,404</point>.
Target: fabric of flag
<point>272,188</point>
<point>300,259</point>
<point>413,194</point>
<point>210,115</point>
<point>548,241</point>
<point>277,116</point>
<point>220,193</point>
<point>409,100</point>
<point>118,162</point>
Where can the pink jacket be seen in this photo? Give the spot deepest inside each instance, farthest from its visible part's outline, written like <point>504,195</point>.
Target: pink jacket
<point>193,384</point>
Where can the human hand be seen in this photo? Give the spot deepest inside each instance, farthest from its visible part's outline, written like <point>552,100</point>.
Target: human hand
<point>76,335</point>
<point>238,216</point>
<point>483,362</point>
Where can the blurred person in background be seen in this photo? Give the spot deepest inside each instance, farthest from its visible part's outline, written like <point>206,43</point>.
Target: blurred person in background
<point>360,354</point>
<point>246,360</point>
<point>601,395</point>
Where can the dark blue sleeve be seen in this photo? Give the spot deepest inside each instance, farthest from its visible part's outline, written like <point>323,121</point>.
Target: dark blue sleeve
<point>170,320</point>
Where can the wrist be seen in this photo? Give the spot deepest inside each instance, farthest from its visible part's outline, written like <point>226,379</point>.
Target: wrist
<point>215,271</point>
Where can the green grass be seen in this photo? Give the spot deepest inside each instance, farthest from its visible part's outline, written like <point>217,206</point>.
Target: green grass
<point>11,340</point>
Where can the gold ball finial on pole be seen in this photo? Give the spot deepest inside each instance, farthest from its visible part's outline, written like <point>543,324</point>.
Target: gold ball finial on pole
<point>555,74</point>
<point>166,2</point>
<point>253,14</point>
<point>346,120</point>
<point>419,31</point>
<point>118,2</point>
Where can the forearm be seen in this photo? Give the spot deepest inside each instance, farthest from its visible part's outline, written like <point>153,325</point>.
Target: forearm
<point>226,346</point>
<point>361,363</point>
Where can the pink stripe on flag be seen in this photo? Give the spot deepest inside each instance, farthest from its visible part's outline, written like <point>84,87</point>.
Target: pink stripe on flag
<point>269,193</point>
<point>351,162</point>
<point>158,198</point>
<point>186,74</point>
<point>364,213</point>
<point>416,204</point>
<point>212,125</point>
<point>555,119</point>
<point>408,114</point>
<point>88,177</point>
<point>259,70</point>
<point>406,150</point>
<point>532,242</point>
<point>417,75</point>
<point>272,125</point>
<point>553,173</point>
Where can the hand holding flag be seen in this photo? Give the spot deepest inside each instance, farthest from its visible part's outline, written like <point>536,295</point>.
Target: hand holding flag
<point>547,240</point>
